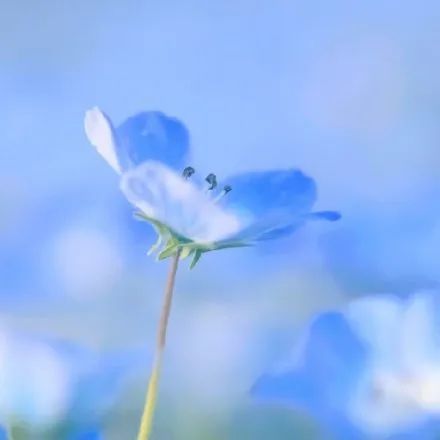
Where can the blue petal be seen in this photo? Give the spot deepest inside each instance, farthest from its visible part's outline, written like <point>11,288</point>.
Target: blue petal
<point>330,216</point>
<point>288,230</point>
<point>152,136</point>
<point>329,366</point>
<point>324,377</point>
<point>273,234</point>
<point>335,357</point>
<point>271,203</point>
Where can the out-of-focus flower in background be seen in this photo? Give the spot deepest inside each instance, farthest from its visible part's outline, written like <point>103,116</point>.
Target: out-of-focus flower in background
<point>369,371</point>
<point>57,389</point>
<point>69,253</point>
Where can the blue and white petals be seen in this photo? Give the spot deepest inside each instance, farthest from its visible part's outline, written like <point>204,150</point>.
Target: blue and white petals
<point>261,193</point>
<point>154,136</point>
<point>142,137</point>
<point>402,388</point>
<point>101,135</point>
<point>163,195</point>
<point>46,384</point>
<point>376,367</point>
<point>325,370</point>
<point>260,206</point>
<point>273,203</point>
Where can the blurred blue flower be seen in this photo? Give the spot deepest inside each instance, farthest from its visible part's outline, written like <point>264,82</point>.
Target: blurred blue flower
<point>55,385</point>
<point>370,371</point>
<point>149,147</point>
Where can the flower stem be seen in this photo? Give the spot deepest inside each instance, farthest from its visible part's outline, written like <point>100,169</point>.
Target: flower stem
<point>153,385</point>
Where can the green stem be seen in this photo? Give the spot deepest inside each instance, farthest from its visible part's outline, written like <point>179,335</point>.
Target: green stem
<point>153,384</point>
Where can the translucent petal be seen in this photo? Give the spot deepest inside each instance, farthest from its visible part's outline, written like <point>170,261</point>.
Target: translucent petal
<point>335,356</point>
<point>165,196</point>
<point>330,216</point>
<point>101,135</point>
<point>327,370</point>
<point>378,320</point>
<point>420,333</point>
<point>142,137</point>
<point>270,203</point>
<point>154,136</point>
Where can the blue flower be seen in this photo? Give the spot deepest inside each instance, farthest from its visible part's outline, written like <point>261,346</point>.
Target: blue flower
<point>369,371</point>
<point>150,152</point>
<point>49,385</point>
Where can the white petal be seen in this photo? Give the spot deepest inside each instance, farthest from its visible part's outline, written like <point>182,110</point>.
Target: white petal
<point>420,332</point>
<point>99,130</point>
<point>377,320</point>
<point>165,196</point>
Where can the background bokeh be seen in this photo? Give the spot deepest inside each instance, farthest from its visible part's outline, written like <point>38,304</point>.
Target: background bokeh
<point>347,91</point>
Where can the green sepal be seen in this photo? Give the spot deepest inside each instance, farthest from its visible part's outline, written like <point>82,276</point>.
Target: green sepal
<point>175,242</point>
<point>196,258</point>
<point>232,244</point>
<point>160,239</point>
<point>169,250</point>
<point>162,228</point>
<point>216,246</point>
<point>185,252</point>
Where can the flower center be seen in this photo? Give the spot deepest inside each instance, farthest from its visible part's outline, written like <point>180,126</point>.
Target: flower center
<point>418,390</point>
<point>211,180</point>
<point>188,172</point>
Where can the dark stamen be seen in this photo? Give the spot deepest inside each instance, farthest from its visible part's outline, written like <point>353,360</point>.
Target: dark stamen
<point>226,189</point>
<point>188,172</point>
<point>212,180</point>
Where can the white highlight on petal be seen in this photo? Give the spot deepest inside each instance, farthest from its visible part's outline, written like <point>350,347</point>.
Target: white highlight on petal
<point>426,391</point>
<point>377,320</point>
<point>100,132</point>
<point>420,332</point>
<point>162,194</point>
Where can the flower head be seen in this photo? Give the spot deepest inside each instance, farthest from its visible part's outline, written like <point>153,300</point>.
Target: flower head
<point>52,384</point>
<point>370,371</point>
<point>150,151</point>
